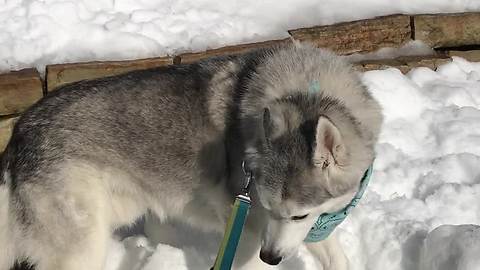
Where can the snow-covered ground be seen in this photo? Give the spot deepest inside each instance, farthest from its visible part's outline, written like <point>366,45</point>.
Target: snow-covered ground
<point>40,32</point>
<point>426,174</point>
<point>452,247</point>
<point>427,170</point>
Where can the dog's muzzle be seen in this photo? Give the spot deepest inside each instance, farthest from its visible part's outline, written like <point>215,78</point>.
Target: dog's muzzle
<point>270,257</point>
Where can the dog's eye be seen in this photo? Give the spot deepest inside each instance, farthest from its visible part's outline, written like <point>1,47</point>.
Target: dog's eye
<point>299,217</point>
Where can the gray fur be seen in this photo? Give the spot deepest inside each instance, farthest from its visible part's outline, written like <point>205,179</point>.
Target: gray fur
<point>96,155</point>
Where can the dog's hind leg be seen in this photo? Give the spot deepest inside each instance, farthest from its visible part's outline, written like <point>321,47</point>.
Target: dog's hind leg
<point>67,227</point>
<point>77,246</point>
<point>329,253</point>
<point>7,256</point>
<point>86,253</point>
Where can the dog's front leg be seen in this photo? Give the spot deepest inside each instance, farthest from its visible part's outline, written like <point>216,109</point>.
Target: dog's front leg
<point>248,252</point>
<point>329,253</point>
<point>247,256</point>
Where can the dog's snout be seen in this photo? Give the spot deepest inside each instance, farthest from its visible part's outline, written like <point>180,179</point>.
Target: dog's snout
<point>270,257</point>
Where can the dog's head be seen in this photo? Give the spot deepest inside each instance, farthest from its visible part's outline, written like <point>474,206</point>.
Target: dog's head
<point>310,162</point>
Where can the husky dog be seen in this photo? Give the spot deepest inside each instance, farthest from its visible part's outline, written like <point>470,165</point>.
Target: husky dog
<point>96,155</point>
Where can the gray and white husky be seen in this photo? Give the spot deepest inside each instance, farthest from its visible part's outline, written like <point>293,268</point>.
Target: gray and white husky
<point>96,155</point>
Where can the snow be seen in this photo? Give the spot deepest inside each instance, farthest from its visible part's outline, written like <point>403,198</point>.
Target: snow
<point>411,48</point>
<point>178,246</point>
<point>426,179</point>
<point>452,247</point>
<point>40,32</point>
<point>426,172</point>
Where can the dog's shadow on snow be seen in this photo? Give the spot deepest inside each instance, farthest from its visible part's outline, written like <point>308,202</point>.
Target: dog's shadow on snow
<point>199,248</point>
<point>292,263</point>
<point>412,250</point>
<point>129,255</point>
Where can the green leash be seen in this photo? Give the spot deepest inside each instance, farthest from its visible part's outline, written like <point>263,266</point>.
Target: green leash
<point>234,228</point>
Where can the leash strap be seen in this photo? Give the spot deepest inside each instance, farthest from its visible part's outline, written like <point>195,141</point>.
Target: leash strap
<point>232,234</point>
<point>235,224</point>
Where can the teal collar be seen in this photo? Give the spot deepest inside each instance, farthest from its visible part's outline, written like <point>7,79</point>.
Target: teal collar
<point>327,222</point>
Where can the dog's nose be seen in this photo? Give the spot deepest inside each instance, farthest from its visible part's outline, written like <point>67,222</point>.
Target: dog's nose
<point>270,257</point>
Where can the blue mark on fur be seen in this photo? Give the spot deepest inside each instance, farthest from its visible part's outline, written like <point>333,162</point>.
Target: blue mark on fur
<point>314,87</point>
<point>327,222</point>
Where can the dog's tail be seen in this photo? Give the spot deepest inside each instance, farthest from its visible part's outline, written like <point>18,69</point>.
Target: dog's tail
<point>7,256</point>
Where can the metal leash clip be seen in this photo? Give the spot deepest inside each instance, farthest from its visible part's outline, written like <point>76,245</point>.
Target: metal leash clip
<point>248,177</point>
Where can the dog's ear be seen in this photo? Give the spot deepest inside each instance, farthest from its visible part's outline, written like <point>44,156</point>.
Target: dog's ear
<point>329,146</point>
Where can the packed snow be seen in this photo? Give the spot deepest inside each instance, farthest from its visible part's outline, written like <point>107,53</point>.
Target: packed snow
<point>426,179</point>
<point>40,32</point>
<point>452,247</point>
<point>426,172</point>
